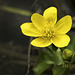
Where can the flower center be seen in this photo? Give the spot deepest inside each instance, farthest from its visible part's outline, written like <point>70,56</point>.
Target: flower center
<point>48,33</point>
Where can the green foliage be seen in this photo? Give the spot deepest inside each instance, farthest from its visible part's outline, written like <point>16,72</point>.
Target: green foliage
<point>57,58</point>
<point>44,62</point>
<point>71,46</point>
<point>46,59</point>
<point>59,70</point>
<point>41,67</point>
<point>72,59</point>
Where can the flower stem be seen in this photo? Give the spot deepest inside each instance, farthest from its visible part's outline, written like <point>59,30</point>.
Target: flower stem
<point>29,50</point>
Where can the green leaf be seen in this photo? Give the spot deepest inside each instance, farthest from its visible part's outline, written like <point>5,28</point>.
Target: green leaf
<point>72,59</point>
<point>40,68</point>
<point>57,58</point>
<point>58,70</point>
<point>45,56</point>
<point>46,59</point>
<point>44,62</point>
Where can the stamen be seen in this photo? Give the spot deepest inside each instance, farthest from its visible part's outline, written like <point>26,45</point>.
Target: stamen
<point>48,33</point>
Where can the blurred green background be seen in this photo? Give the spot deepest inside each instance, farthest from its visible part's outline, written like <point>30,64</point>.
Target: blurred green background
<point>13,44</point>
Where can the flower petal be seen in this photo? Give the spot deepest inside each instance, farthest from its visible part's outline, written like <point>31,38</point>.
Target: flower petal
<point>30,30</point>
<point>64,24</point>
<point>38,20</point>
<point>50,14</point>
<point>61,40</point>
<point>41,42</point>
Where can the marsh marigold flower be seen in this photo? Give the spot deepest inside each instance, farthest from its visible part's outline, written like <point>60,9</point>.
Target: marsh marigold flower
<point>47,29</point>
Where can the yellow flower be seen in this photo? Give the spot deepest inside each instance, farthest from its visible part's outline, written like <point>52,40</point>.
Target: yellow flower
<point>47,29</point>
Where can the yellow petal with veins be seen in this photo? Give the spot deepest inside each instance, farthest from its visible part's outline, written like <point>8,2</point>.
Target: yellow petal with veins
<point>64,24</point>
<point>38,20</point>
<point>41,42</point>
<point>50,14</point>
<point>61,40</point>
<point>30,30</point>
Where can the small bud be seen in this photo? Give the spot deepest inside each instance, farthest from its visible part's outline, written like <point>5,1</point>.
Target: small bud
<point>66,54</point>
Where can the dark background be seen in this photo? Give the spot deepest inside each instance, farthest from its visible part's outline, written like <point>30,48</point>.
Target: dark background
<point>13,44</point>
